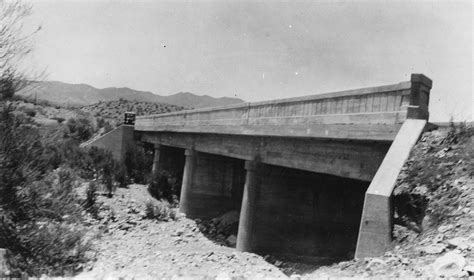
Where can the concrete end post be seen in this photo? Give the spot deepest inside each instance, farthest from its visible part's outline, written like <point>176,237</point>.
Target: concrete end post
<point>419,97</point>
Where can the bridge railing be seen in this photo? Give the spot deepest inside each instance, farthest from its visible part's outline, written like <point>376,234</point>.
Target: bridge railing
<point>304,116</point>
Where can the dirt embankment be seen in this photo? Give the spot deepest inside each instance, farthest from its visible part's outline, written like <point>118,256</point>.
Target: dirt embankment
<point>434,213</point>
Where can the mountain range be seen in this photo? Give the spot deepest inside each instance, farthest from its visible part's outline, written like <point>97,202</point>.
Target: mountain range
<point>83,94</point>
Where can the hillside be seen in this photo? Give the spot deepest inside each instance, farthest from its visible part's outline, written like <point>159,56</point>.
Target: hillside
<point>115,109</point>
<point>83,94</point>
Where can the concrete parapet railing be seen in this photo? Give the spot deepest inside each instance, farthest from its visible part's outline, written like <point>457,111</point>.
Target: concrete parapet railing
<point>323,115</point>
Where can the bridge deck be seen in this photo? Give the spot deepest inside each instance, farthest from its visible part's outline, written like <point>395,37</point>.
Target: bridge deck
<point>374,113</point>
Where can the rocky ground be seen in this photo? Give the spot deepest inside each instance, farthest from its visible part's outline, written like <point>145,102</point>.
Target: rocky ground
<point>133,246</point>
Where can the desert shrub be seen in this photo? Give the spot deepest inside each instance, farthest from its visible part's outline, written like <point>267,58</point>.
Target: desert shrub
<point>107,127</point>
<point>121,176</point>
<point>53,248</point>
<point>44,231</point>
<point>80,129</point>
<point>91,198</point>
<point>457,133</point>
<point>164,185</point>
<point>40,213</point>
<point>20,155</point>
<point>138,162</point>
<point>159,186</point>
<point>100,122</point>
<point>161,210</point>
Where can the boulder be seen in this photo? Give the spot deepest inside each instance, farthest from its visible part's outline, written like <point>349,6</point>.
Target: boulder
<point>232,240</point>
<point>461,243</point>
<point>436,248</point>
<point>450,264</point>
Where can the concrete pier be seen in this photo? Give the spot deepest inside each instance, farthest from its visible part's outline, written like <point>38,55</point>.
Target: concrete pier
<point>249,206</point>
<point>156,159</point>
<point>189,166</point>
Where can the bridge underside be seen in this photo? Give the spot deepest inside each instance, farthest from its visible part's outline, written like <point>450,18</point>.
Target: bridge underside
<point>351,159</point>
<point>306,202</point>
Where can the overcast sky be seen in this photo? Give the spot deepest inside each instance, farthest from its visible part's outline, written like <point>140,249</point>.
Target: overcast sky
<point>260,51</point>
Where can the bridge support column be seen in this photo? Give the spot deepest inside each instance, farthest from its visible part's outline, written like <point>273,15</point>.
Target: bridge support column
<point>249,207</point>
<point>156,159</point>
<point>189,166</point>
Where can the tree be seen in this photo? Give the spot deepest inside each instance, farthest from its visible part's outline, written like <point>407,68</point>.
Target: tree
<point>15,45</point>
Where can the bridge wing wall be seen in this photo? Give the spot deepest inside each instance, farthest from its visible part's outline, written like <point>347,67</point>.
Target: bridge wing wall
<point>374,113</point>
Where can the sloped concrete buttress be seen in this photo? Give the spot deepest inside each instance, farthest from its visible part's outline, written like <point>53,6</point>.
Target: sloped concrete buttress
<point>116,141</point>
<point>375,233</point>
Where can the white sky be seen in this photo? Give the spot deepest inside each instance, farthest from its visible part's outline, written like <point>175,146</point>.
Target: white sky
<point>260,51</point>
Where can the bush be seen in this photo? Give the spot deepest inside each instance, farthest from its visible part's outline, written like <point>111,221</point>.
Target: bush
<point>80,129</point>
<point>164,185</point>
<point>138,162</point>
<point>45,231</point>
<point>41,219</point>
<point>53,248</point>
<point>91,198</point>
<point>159,186</point>
<point>121,176</point>
<point>160,210</point>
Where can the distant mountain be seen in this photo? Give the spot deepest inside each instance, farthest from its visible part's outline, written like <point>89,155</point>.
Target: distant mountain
<point>83,94</point>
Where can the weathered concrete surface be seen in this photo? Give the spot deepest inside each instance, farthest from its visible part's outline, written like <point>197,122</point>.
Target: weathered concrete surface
<point>116,141</point>
<point>375,233</point>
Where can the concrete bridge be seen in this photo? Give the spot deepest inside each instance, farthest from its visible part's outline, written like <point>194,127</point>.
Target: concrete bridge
<point>311,176</point>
